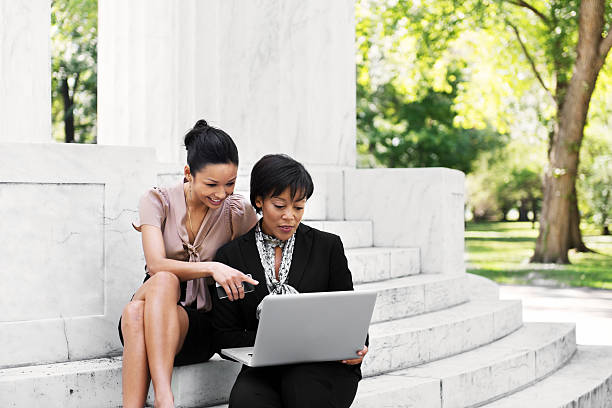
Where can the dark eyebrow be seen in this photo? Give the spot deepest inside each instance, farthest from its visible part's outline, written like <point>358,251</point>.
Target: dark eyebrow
<point>215,181</point>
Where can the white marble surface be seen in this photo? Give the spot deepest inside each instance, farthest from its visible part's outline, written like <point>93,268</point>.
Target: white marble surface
<point>498,368</point>
<point>420,208</point>
<point>86,259</point>
<point>376,264</point>
<point>585,382</point>
<point>278,76</point>
<point>391,391</point>
<point>418,339</point>
<point>83,384</point>
<point>354,234</point>
<point>414,295</point>
<point>51,234</point>
<point>481,288</point>
<point>25,71</point>
<point>462,380</point>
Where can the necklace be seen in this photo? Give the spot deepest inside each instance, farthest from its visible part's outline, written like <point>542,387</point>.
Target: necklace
<point>189,213</point>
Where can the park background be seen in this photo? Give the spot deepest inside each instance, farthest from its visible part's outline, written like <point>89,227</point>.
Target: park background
<point>498,90</point>
<point>477,86</point>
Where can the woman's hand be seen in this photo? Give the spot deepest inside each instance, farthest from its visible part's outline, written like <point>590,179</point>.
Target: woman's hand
<point>230,279</point>
<point>361,353</point>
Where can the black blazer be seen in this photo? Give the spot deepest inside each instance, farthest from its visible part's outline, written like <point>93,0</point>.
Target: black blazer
<point>318,265</point>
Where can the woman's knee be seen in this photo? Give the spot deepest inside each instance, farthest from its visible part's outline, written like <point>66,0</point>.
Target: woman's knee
<point>133,315</point>
<point>166,282</point>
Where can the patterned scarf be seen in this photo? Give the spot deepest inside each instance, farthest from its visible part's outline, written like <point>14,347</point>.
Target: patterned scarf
<point>266,245</point>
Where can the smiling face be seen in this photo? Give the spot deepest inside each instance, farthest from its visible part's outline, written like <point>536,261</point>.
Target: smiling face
<point>212,184</point>
<point>281,213</point>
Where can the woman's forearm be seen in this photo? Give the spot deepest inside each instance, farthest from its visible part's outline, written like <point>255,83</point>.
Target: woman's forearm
<point>182,269</point>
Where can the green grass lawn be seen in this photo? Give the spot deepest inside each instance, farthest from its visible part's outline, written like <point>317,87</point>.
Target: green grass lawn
<point>501,250</point>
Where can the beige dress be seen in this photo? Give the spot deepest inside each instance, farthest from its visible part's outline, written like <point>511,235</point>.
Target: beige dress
<point>165,208</point>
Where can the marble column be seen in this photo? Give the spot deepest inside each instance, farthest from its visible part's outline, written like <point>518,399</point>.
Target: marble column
<point>279,76</point>
<point>25,71</point>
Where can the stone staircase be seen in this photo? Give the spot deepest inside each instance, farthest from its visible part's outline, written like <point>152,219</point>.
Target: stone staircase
<point>432,344</point>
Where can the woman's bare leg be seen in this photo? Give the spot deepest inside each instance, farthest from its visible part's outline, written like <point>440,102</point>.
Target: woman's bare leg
<point>164,329</point>
<point>135,372</point>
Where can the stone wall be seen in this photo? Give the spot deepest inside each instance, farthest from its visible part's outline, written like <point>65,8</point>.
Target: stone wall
<point>69,257</point>
<point>278,75</point>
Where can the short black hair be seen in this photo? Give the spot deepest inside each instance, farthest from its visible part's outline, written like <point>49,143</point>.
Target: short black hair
<point>208,145</point>
<point>273,173</point>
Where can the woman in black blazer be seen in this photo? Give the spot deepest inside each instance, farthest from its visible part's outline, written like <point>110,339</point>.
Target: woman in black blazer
<point>284,256</point>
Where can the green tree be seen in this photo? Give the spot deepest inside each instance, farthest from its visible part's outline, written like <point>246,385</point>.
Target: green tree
<point>508,179</point>
<point>597,189</point>
<point>564,44</point>
<point>406,112</point>
<point>402,133</point>
<point>74,28</point>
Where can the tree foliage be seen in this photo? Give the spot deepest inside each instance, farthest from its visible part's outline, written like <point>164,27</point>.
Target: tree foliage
<point>597,188</point>
<point>421,133</point>
<point>517,59</point>
<point>74,37</point>
<point>406,91</point>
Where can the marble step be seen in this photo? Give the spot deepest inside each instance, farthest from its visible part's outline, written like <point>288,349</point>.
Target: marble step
<point>389,391</point>
<point>88,384</point>
<point>379,263</point>
<point>414,295</point>
<point>393,345</point>
<point>497,369</point>
<point>354,234</point>
<point>584,382</point>
<point>470,378</point>
<point>415,340</point>
<point>97,383</point>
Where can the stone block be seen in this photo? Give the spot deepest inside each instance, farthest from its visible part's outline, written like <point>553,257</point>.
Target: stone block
<point>389,391</point>
<point>77,258</point>
<point>506,321</point>
<point>44,230</point>
<point>481,288</point>
<point>431,336</point>
<point>496,369</point>
<point>257,70</point>
<point>585,382</point>
<point>375,264</point>
<point>556,353</point>
<point>420,208</point>
<point>83,384</point>
<point>403,297</point>
<point>354,234</point>
<point>405,261</point>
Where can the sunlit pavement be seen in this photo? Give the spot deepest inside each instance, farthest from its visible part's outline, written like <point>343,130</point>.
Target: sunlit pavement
<point>590,309</point>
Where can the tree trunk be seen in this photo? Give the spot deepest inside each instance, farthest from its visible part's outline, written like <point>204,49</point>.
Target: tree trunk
<point>575,235</point>
<point>68,111</point>
<point>553,244</point>
<point>523,210</point>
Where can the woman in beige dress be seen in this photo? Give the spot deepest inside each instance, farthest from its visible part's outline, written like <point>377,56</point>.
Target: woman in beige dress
<point>167,322</point>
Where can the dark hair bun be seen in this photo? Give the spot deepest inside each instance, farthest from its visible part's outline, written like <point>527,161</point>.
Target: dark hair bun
<point>201,124</point>
<point>208,145</point>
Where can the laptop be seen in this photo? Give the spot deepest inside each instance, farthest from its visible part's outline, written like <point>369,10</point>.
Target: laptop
<point>308,327</point>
